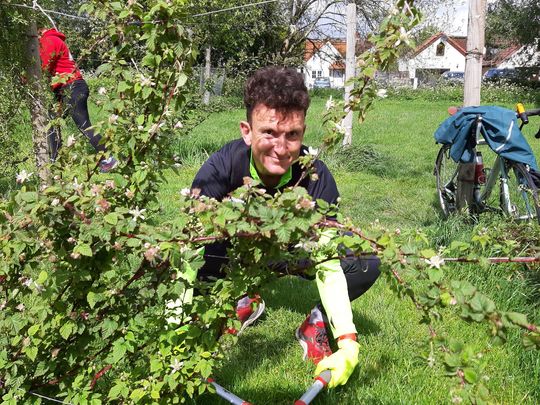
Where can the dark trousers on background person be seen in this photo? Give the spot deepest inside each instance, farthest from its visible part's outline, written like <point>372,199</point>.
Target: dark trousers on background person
<point>73,99</point>
<point>360,272</point>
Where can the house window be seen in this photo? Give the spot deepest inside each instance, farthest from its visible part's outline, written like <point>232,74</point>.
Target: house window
<point>440,49</point>
<point>313,74</point>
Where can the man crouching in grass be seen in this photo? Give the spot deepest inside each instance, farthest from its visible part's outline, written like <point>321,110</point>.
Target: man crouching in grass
<point>276,101</point>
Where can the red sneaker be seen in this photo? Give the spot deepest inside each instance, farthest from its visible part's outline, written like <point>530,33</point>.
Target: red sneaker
<point>248,310</point>
<point>313,338</point>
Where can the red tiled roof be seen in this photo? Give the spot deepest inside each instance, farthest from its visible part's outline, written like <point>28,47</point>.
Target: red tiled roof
<point>460,43</point>
<point>503,55</point>
<point>314,46</point>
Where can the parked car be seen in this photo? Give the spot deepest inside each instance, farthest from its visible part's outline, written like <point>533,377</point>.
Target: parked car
<point>494,74</point>
<point>321,83</point>
<point>453,76</point>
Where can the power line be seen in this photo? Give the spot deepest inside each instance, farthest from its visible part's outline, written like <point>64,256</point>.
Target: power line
<point>234,8</point>
<point>51,11</point>
<point>195,15</point>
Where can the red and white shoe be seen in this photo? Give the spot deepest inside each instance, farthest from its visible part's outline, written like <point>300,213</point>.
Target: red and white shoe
<point>248,310</point>
<point>313,337</point>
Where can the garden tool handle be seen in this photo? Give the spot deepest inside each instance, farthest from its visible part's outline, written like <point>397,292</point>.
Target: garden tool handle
<point>318,385</point>
<point>227,395</point>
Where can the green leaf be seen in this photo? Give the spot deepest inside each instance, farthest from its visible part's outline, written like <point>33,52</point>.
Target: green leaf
<point>120,389</point>
<point>470,375</point>
<point>133,242</point>
<point>123,86</point>
<point>66,330</point>
<point>435,275</point>
<point>42,277</point>
<point>84,249</point>
<point>517,318</point>
<point>92,299</point>
<point>31,352</point>
<point>32,330</point>
<point>137,394</point>
<point>111,218</point>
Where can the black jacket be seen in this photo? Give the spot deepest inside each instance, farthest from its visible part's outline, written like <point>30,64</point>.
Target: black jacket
<point>225,170</point>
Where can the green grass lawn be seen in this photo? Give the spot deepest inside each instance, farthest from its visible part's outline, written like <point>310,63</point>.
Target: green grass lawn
<point>397,188</point>
<point>386,176</point>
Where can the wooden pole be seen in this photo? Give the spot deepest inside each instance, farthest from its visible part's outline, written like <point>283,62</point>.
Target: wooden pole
<point>36,103</point>
<point>350,65</point>
<point>471,94</point>
<point>475,52</point>
<point>207,74</point>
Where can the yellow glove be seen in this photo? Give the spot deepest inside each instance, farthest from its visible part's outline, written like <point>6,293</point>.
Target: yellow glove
<point>342,363</point>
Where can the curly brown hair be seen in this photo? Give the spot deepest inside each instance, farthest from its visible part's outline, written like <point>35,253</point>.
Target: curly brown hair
<point>276,87</point>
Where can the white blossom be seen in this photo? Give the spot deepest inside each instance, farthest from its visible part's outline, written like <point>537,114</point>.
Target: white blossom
<point>3,305</point>
<point>313,151</point>
<point>176,366</point>
<point>178,125</point>
<point>110,184</point>
<point>146,81</point>
<point>435,261</point>
<point>70,141</point>
<point>55,202</point>
<point>23,176</point>
<point>113,118</point>
<point>340,129</point>
<point>102,91</point>
<point>186,192</point>
<point>155,127</point>
<point>76,185</point>
<point>382,93</point>
<point>330,103</point>
<point>237,200</point>
<point>20,307</point>
<point>137,213</point>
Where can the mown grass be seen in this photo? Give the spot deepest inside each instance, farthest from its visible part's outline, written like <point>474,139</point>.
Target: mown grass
<point>387,176</point>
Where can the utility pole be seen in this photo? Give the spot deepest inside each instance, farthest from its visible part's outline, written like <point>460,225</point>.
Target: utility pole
<point>471,94</point>
<point>207,74</point>
<point>350,65</point>
<point>475,52</point>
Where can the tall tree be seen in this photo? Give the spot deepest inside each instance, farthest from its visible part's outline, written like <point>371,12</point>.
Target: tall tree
<point>513,21</point>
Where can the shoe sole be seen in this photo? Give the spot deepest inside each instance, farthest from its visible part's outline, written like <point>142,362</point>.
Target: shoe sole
<point>253,317</point>
<point>302,343</point>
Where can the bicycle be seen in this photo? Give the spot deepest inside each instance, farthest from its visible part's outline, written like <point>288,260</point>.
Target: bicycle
<point>471,186</point>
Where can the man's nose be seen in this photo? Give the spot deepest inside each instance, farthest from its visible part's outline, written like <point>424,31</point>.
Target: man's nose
<point>280,145</point>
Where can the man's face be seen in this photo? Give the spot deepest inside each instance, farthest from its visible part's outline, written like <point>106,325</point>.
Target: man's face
<point>275,139</point>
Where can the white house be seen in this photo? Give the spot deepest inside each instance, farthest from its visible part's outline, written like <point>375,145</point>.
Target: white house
<point>517,56</point>
<point>324,59</point>
<point>434,56</point>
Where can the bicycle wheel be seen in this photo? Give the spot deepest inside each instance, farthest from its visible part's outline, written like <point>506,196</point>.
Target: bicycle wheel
<point>446,174</point>
<point>520,201</point>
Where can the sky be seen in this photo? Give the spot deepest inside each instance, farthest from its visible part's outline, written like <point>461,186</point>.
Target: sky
<point>449,15</point>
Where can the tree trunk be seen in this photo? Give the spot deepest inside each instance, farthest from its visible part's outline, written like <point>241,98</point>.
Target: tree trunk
<point>350,65</point>
<point>36,103</point>
<point>475,51</point>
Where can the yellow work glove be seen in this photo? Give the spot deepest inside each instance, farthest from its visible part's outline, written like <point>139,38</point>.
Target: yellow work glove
<point>342,363</point>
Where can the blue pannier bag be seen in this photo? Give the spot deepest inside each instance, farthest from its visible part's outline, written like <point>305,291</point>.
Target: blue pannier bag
<point>500,129</point>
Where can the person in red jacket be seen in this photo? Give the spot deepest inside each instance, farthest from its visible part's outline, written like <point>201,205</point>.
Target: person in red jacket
<point>69,88</point>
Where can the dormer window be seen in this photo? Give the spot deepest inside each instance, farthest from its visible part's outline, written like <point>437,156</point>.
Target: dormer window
<point>440,49</point>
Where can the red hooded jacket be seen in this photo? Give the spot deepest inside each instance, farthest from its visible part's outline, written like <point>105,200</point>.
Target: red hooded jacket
<point>56,58</point>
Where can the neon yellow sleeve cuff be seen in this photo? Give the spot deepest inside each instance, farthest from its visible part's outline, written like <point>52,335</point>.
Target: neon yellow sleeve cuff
<point>332,287</point>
